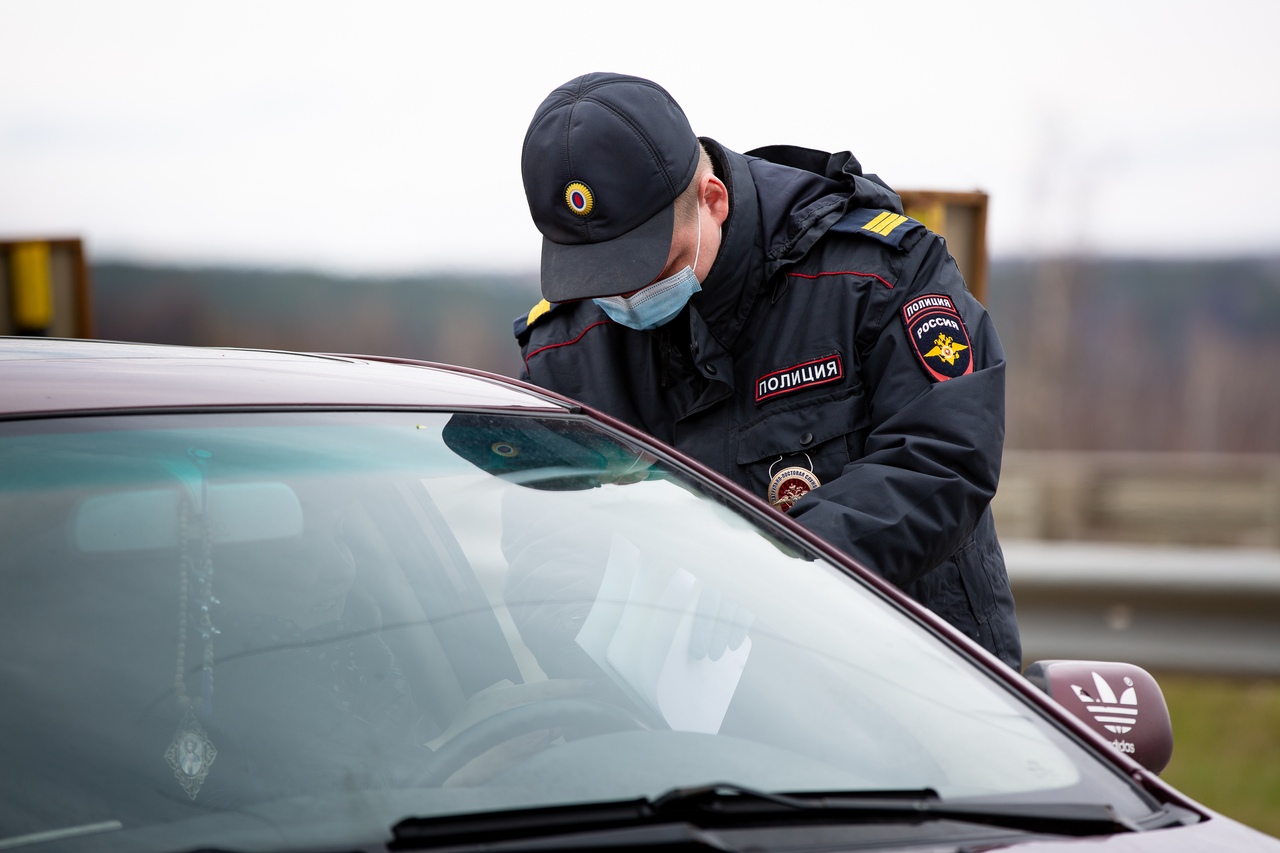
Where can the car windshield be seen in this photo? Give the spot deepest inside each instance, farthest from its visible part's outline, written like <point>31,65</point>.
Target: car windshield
<point>264,630</point>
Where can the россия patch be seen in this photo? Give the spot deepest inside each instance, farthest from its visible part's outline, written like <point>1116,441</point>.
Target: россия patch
<point>938,336</point>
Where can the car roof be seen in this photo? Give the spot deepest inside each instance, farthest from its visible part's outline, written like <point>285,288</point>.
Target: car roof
<point>42,376</point>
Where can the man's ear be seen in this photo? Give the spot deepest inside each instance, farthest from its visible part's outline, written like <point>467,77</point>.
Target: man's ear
<point>716,196</point>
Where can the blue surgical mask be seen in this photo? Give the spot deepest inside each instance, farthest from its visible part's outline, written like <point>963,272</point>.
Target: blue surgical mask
<point>656,304</point>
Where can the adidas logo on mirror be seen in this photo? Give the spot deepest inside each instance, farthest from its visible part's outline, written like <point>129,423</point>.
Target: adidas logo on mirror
<point>1117,715</point>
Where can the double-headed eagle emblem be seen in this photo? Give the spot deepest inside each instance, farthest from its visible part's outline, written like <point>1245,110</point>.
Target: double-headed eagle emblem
<point>946,349</point>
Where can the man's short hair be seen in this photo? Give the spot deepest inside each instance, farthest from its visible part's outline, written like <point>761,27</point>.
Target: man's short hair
<point>687,201</point>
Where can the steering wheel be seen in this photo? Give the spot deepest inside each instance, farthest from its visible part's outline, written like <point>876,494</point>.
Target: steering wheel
<point>585,717</point>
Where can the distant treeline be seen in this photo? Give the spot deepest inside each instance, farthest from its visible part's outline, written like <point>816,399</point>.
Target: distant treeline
<point>1141,355</point>
<point>454,318</point>
<point>1103,354</point>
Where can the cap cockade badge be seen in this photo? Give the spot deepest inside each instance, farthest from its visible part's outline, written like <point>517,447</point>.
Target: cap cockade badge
<point>579,198</point>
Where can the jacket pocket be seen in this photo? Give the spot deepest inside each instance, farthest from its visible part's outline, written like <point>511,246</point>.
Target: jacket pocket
<point>823,435</point>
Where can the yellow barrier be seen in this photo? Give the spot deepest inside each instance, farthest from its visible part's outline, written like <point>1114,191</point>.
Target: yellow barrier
<point>44,288</point>
<point>961,218</point>
<point>31,285</point>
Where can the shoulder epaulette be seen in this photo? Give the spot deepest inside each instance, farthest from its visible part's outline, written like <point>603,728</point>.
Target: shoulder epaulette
<point>525,322</point>
<point>883,225</point>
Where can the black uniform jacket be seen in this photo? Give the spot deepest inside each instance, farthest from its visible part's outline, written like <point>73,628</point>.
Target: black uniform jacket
<point>835,334</point>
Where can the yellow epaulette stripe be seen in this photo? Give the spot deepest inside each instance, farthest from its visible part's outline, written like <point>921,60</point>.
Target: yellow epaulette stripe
<point>884,223</point>
<point>537,311</point>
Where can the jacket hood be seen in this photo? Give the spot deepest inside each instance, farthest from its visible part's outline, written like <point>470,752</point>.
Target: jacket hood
<point>804,192</point>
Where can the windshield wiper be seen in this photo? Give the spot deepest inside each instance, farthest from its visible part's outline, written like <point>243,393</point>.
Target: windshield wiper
<point>729,806</point>
<point>15,841</point>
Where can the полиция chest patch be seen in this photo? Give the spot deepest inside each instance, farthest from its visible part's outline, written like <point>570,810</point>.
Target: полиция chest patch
<point>938,336</point>
<point>798,377</point>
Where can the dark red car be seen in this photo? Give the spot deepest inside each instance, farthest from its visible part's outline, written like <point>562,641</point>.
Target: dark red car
<point>266,601</point>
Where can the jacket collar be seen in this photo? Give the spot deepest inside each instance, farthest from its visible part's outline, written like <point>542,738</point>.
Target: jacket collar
<point>782,199</point>
<point>737,276</point>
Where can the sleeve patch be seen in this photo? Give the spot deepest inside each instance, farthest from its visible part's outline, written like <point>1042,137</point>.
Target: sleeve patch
<point>938,336</point>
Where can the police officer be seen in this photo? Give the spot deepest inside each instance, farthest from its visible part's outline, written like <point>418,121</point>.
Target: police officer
<point>775,316</point>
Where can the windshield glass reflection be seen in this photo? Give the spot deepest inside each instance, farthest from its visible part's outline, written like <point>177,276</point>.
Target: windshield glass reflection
<point>232,619</point>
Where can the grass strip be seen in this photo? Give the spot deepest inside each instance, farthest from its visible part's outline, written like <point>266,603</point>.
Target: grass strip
<point>1226,745</point>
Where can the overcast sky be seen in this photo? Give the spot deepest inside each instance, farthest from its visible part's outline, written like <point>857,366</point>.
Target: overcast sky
<point>384,137</point>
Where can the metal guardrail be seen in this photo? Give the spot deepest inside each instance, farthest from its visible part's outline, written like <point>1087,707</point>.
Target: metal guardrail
<point>1171,609</point>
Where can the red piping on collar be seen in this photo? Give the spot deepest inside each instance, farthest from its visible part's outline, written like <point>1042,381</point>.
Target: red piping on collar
<point>843,272</point>
<point>566,343</point>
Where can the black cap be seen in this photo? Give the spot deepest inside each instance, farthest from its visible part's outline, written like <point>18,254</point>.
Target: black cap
<point>604,160</point>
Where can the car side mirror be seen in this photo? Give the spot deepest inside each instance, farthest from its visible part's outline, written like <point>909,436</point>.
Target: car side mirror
<point>1119,701</point>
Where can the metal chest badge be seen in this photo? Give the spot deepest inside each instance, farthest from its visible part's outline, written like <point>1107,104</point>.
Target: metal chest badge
<point>790,484</point>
